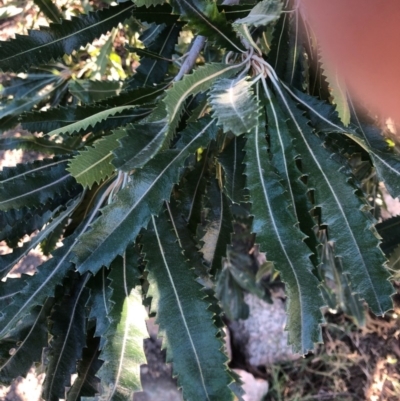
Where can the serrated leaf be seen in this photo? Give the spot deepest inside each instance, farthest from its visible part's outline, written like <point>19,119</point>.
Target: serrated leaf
<point>263,13</point>
<point>8,261</point>
<point>152,70</point>
<point>148,3</point>
<point>121,221</point>
<point>160,14</point>
<point>218,230</point>
<point>233,105</point>
<point>33,219</point>
<point>27,342</point>
<point>33,184</point>
<point>68,330</point>
<point>34,89</point>
<point>182,313</point>
<point>275,227</point>
<point>339,93</point>
<point>99,303</point>
<point>16,303</point>
<point>231,160</point>
<point>94,163</point>
<point>138,144</point>
<point>57,118</point>
<point>199,81</point>
<point>167,114</point>
<point>86,384</point>
<point>205,18</point>
<point>231,296</point>
<point>284,155</point>
<point>95,119</point>
<point>343,211</point>
<point>185,236</point>
<point>123,350</point>
<point>104,56</point>
<point>89,91</point>
<point>59,39</point>
<point>49,9</point>
<point>387,164</point>
<point>37,144</point>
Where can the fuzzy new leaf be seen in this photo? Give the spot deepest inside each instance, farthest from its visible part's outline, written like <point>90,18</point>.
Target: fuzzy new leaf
<point>234,105</point>
<point>263,13</point>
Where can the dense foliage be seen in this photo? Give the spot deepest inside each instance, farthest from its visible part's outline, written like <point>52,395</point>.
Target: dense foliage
<point>150,182</point>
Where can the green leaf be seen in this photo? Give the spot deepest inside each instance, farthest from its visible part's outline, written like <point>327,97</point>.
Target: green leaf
<point>123,350</point>
<point>138,144</point>
<point>182,313</point>
<point>8,261</point>
<point>99,303</point>
<point>33,184</point>
<point>27,342</point>
<point>33,219</point>
<point>339,93</point>
<point>122,221</point>
<point>103,57</point>
<point>387,164</point>
<point>284,156</point>
<point>49,9</point>
<point>231,160</point>
<point>37,144</point>
<point>33,90</point>
<point>349,226</point>
<point>218,229</point>
<point>89,91</point>
<point>94,163</point>
<point>95,119</point>
<point>277,234</point>
<point>53,42</point>
<point>263,13</point>
<point>199,81</point>
<point>15,304</point>
<point>186,238</point>
<point>234,105</point>
<point>160,14</point>
<point>205,18</point>
<point>160,41</point>
<point>68,330</point>
<point>86,384</point>
<point>231,295</point>
<point>148,3</point>
<point>166,115</point>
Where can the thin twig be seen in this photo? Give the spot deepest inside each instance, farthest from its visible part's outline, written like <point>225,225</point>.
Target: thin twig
<point>187,65</point>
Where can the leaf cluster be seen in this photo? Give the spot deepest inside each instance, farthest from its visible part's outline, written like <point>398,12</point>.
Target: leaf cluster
<point>163,192</point>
